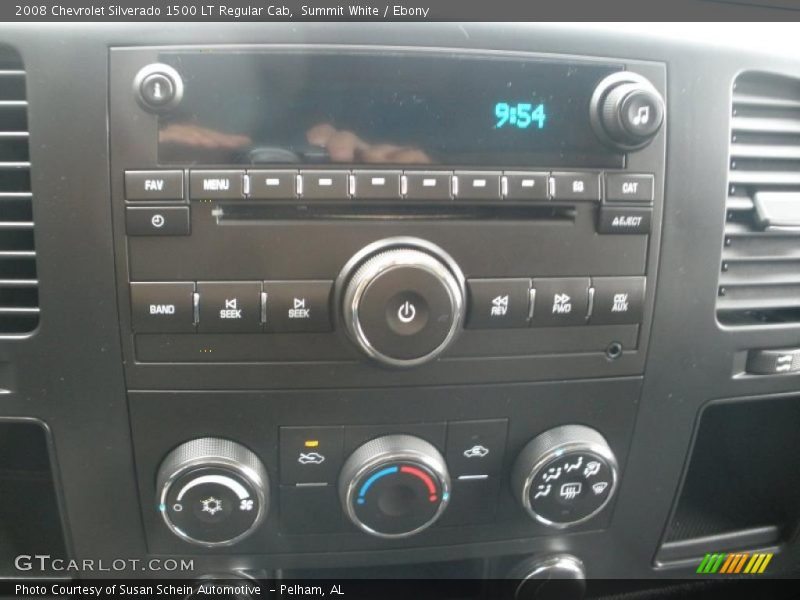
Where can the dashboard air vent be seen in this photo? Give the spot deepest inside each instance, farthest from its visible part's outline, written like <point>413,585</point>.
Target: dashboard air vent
<point>19,298</point>
<point>760,275</point>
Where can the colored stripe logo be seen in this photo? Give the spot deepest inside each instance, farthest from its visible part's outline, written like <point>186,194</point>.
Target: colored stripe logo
<point>733,563</point>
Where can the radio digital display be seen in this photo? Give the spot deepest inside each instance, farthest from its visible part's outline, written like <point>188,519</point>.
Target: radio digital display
<point>400,109</point>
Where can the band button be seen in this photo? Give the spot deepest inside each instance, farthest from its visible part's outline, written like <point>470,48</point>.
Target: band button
<point>162,307</point>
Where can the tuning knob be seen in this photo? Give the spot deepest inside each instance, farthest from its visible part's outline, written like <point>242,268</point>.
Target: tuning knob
<point>626,111</point>
<point>212,492</point>
<point>565,476</point>
<point>559,577</point>
<point>394,486</point>
<point>402,301</point>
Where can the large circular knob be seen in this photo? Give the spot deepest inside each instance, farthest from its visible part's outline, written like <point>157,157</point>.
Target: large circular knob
<point>626,111</point>
<point>565,476</point>
<point>394,486</point>
<point>557,577</point>
<point>212,492</point>
<point>403,301</point>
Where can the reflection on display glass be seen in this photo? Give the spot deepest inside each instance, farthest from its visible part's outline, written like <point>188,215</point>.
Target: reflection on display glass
<point>301,108</point>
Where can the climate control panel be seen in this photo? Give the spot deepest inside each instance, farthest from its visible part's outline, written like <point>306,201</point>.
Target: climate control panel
<point>214,492</point>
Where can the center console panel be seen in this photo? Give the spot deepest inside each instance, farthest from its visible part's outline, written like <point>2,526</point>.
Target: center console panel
<point>408,310</point>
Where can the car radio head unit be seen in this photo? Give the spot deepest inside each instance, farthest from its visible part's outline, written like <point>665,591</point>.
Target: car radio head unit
<point>382,108</point>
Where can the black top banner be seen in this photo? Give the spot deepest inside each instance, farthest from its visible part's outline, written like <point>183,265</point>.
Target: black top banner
<point>396,10</point>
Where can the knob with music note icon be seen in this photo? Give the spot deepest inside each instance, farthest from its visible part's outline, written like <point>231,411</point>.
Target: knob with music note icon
<point>626,111</point>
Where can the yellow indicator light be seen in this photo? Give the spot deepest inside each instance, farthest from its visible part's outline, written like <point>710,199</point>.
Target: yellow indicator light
<point>311,443</point>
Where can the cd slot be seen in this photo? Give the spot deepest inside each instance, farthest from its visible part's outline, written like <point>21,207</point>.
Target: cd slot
<point>231,213</point>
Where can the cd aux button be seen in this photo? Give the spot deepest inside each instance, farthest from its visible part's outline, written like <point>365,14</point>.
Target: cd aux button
<point>617,300</point>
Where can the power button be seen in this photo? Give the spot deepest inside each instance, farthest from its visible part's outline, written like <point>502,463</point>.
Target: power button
<point>407,313</point>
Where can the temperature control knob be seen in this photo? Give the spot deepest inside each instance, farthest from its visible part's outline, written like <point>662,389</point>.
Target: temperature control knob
<point>212,492</point>
<point>402,301</point>
<point>565,475</point>
<point>394,486</point>
<point>626,111</point>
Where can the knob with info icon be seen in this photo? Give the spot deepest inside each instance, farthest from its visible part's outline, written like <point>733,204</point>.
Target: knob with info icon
<point>565,476</point>
<point>212,492</point>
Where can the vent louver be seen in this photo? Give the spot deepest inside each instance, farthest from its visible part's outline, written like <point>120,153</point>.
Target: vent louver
<point>19,297</point>
<point>760,274</point>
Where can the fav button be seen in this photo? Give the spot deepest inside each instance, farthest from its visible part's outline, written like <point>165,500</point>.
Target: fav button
<point>617,300</point>
<point>498,303</point>
<point>311,454</point>
<point>229,306</point>
<point>154,185</point>
<point>297,306</point>
<point>563,301</point>
<point>162,307</point>
<point>476,447</point>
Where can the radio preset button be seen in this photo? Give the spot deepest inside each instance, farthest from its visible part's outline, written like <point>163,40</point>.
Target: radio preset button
<point>614,219</point>
<point>324,185</point>
<point>171,220</point>
<point>427,185</point>
<point>377,185</point>
<point>163,307</point>
<point>498,303</point>
<point>154,185</point>
<point>617,300</point>
<point>576,186</point>
<point>525,186</point>
<point>216,185</point>
<point>622,187</point>
<point>272,185</point>
<point>229,306</point>
<point>477,185</point>
<point>561,301</point>
<point>297,306</point>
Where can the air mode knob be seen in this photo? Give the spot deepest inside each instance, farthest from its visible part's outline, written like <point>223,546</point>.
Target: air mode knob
<point>565,476</point>
<point>402,301</point>
<point>626,111</point>
<point>394,486</point>
<point>212,492</point>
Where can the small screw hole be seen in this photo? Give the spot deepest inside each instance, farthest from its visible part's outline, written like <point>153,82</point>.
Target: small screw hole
<point>614,350</point>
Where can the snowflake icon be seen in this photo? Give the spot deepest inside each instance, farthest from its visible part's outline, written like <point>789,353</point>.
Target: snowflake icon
<point>212,505</point>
